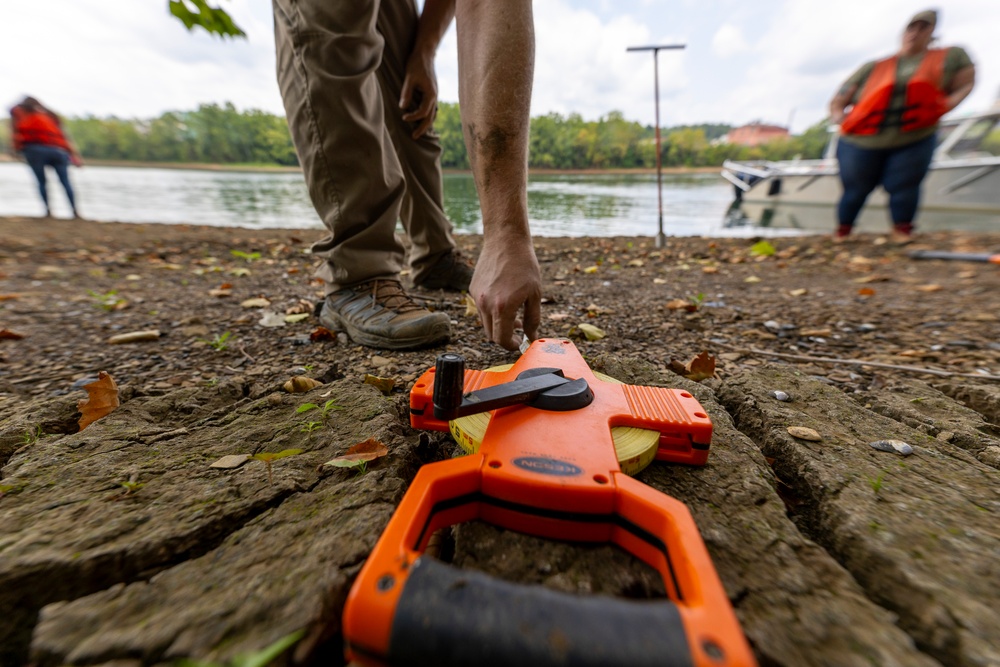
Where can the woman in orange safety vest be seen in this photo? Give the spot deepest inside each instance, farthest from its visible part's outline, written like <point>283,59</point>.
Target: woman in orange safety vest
<point>38,135</point>
<point>889,134</point>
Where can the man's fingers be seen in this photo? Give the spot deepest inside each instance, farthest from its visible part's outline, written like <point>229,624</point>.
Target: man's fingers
<point>406,95</point>
<point>532,317</point>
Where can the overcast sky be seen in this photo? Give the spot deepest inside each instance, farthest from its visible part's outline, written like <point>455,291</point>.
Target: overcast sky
<point>769,60</point>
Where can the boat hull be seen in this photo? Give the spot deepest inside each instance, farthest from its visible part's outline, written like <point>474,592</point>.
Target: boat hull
<point>972,187</point>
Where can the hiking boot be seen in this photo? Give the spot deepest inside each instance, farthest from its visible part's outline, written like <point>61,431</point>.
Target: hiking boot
<point>451,272</point>
<point>379,313</point>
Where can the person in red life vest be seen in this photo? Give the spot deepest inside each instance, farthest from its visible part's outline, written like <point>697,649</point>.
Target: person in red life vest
<point>889,134</point>
<point>38,136</point>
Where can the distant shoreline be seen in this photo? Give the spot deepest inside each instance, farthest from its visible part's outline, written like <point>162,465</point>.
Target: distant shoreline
<point>195,166</point>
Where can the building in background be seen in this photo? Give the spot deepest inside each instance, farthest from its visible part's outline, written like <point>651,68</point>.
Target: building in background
<point>755,134</point>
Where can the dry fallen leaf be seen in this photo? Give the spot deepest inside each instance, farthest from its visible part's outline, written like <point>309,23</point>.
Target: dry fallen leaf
<point>134,337</point>
<point>7,334</point>
<point>322,333</point>
<point>866,291</point>
<point>700,368</point>
<point>271,319</point>
<point>257,302</point>
<point>929,288</point>
<point>591,332</point>
<point>680,304</point>
<point>384,385</point>
<point>470,306</point>
<point>102,399</point>
<point>301,384</point>
<point>804,433</point>
<point>368,450</point>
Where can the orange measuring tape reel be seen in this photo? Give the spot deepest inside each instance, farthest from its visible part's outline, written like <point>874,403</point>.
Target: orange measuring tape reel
<point>546,466</point>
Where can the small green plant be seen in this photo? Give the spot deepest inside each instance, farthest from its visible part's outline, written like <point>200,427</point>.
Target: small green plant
<point>131,487</point>
<point>219,343</point>
<point>270,457</point>
<point>309,427</point>
<point>325,410</point>
<point>697,299</point>
<point>31,436</point>
<point>876,483</point>
<point>211,382</point>
<point>10,489</point>
<point>108,300</point>
<point>249,257</point>
<point>266,656</point>
<point>309,367</point>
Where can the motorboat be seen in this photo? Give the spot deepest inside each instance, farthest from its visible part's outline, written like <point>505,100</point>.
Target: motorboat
<point>963,181</point>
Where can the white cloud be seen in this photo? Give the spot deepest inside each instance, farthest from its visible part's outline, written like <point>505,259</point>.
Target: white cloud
<point>742,62</point>
<point>728,41</point>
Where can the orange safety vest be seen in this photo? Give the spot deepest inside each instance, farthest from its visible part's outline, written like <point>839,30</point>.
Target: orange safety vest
<point>925,101</point>
<point>36,127</point>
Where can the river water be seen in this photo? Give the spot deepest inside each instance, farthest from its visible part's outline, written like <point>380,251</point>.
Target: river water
<point>559,205</point>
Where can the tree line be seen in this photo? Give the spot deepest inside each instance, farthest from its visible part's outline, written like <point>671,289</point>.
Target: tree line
<point>215,134</point>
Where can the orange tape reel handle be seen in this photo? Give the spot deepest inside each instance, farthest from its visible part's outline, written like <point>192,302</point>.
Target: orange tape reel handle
<point>404,609</point>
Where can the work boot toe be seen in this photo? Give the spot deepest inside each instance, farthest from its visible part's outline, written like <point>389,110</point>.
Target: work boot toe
<point>379,313</point>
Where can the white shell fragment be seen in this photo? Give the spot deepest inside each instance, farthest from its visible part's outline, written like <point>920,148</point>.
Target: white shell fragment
<point>780,395</point>
<point>896,446</point>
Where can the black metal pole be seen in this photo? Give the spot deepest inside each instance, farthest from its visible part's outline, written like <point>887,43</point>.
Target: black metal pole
<point>661,238</point>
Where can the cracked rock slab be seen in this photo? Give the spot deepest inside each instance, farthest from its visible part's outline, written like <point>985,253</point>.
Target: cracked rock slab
<point>920,535</point>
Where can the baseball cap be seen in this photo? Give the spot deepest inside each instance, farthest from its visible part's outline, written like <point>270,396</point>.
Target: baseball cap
<point>927,16</point>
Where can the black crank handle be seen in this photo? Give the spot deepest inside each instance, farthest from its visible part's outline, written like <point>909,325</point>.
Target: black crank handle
<point>446,617</point>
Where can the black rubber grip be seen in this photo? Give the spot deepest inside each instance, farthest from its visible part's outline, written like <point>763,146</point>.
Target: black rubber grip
<point>450,617</point>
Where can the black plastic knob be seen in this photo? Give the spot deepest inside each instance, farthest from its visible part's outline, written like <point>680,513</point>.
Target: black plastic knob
<point>449,382</point>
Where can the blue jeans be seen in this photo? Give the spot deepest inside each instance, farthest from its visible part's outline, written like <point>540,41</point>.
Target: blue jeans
<point>40,156</point>
<point>899,170</point>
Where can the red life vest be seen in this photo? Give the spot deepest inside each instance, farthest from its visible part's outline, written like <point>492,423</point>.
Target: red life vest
<point>925,101</point>
<point>36,127</point>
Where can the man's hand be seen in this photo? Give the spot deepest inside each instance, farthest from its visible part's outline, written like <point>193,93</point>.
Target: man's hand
<point>507,278</point>
<point>420,94</point>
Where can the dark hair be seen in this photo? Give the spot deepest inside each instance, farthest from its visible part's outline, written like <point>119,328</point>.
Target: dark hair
<point>31,104</point>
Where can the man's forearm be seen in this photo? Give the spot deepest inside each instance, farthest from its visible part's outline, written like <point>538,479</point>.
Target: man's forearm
<point>433,24</point>
<point>496,66</point>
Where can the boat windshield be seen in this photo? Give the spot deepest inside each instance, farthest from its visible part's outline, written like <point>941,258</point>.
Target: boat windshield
<point>979,139</point>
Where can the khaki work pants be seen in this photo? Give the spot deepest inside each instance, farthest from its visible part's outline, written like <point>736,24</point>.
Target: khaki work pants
<point>341,65</point>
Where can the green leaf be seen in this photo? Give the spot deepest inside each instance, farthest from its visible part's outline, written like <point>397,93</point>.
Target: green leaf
<point>763,248</point>
<point>306,407</point>
<point>198,13</point>
<point>268,655</point>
